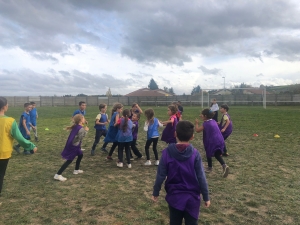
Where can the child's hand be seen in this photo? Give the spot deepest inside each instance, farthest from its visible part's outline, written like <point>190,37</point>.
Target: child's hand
<point>28,132</point>
<point>35,149</point>
<point>207,204</point>
<point>196,121</point>
<point>223,130</point>
<point>154,198</point>
<point>86,129</point>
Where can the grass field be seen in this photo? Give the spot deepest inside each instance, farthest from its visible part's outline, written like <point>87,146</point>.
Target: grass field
<point>262,187</point>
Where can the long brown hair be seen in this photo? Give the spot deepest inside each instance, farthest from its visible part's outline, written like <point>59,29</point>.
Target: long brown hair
<point>116,106</point>
<point>76,119</point>
<point>149,113</point>
<point>125,114</point>
<point>173,109</point>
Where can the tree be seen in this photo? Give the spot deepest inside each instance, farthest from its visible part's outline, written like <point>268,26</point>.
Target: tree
<point>171,91</point>
<point>152,85</point>
<point>166,89</point>
<point>196,90</point>
<point>108,93</point>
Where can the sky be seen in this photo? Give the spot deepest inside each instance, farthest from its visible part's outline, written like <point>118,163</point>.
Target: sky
<point>62,47</point>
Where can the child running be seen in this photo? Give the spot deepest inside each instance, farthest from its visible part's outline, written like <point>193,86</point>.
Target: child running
<point>24,126</point>
<point>135,129</point>
<point>212,140</point>
<point>124,138</point>
<point>33,117</point>
<point>168,134</point>
<point>100,126</point>
<point>113,129</point>
<point>151,126</point>
<point>182,165</point>
<point>8,132</point>
<point>225,126</point>
<point>73,146</point>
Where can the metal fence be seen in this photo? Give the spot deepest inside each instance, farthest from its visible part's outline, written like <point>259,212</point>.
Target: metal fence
<point>187,100</point>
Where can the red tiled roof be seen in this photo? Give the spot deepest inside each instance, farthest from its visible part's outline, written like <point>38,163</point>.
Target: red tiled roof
<point>148,92</point>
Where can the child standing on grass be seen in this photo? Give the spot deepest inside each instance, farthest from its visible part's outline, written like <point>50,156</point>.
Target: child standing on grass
<point>100,126</point>
<point>8,132</point>
<point>151,126</point>
<point>73,146</point>
<point>225,126</point>
<point>135,129</point>
<point>182,165</point>
<point>168,134</point>
<point>112,132</point>
<point>212,140</point>
<point>124,138</point>
<point>33,117</point>
<point>81,110</point>
<point>215,108</point>
<point>24,126</point>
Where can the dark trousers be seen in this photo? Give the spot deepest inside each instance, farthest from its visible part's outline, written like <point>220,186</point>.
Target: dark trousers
<point>134,149</point>
<point>176,217</point>
<point>225,149</point>
<point>68,162</point>
<point>112,149</point>
<point>147,146</point>
<point>3,166</point>
<point>218,156</point>
<point>98,135</point>
<point>121,147</point>
<point>215,116</point>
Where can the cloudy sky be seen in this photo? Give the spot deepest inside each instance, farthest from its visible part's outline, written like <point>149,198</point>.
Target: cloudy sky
<point>73,46</point>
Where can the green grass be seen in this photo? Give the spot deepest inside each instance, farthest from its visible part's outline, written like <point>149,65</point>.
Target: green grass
<point>262,187</point>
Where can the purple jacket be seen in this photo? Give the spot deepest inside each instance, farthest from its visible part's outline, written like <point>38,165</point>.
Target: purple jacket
<point>228,130</point>
<point>70,151</point>
<point>186,179</point>
<point>212,138</point>
<point>135,129</point>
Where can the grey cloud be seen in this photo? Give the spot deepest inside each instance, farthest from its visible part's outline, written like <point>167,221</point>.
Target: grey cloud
<point>65,73</point>
<point>186,71</point>
<point>44,57</point>
<point>259,75</point>
<point>205,70</point>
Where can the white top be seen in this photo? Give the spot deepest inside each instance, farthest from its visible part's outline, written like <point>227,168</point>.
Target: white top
<point>147,124</point>
<point>214,107</point>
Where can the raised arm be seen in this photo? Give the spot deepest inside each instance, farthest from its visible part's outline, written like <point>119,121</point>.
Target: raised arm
<point>197,128</point>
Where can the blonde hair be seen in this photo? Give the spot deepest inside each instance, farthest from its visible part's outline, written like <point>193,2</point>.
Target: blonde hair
<point>76,120</point>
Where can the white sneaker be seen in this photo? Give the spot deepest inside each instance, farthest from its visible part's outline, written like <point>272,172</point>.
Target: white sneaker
<point>59,177</point>
<point>83,149</point>
<point>129,165</point>
<point>119,164</point>
<point>77,171</point>
<point>156,162</point>
<point>148,163</point>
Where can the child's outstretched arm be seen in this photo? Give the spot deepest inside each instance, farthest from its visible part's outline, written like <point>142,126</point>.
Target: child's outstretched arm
<point>160,177</point>
<point>168,121</point>
<point>197,128</point>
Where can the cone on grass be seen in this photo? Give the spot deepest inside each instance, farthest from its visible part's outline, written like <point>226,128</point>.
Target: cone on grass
<point>276,136</point>
<point>255,135</point>
<point>46,128</point>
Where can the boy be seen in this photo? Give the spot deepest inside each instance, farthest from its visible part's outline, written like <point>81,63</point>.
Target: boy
<point>24,126</point>
<point>100,126</point>
<point>33,116</point>
<point>225,125</point>
<point>182,165</point>
<point>8,132</point>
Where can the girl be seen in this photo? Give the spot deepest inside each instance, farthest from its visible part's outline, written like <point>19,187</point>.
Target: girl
<point>73,146</point>
<point>9,131</point>
<point>151,126</point>
<point>168,134</point>
<point>135,130</point>
<point>113,129</point>
<point>124,138</point>
<point>215,108</point>
<point>212,140</point>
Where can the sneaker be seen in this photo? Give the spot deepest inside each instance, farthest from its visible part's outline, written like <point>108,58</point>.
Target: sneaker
<point>225,171</point>
<point>59,177</point>
<point>26,152</point>
<point>36,139</point>
<point>129,166</point>
<point>225,154</point>
<point>131,159</point>
<point>17,149</point>
<point>148,163</point>
<point>208,169</point>
<point>137,158</point>
<point>156,162</point>
<point>104,150</point>
<point>92,152</point>
<point>120,164</point>
<point>77,171</point>
<point>109,158</point>
<point>82,149</point>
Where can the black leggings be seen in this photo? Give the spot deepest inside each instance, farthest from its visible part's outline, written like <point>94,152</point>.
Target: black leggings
<point>135,149</point>
<point>112,149</point>
<point>176,217</point>
<point>98,135</point>
<point>121,147</point>
<point>147,146</point>
<point>218,156</point>
<point>3,166</point>
<point>68,162</point>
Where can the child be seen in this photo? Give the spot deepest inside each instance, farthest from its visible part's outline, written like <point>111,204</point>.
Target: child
<point>24,126</point>
<point>124,138</point>
<point>135,129</point>
<point>182,165</point>
<point>151,126</point>
<point>33,116</point>
<point>73,146</point>
<point>212,140</point>
<point>81,110</point>
<point>178,113</point>
<point>180,108</point>
<point>168,134</point>
<point>113,129</point>
<point>100,126</point>
<point>225,125</point>
<point>8,132</point>
<point>215,108</point>
<point>135,109</point>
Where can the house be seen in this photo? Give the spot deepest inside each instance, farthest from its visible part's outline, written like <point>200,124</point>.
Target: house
<point>148,92</point>
<point>222,92</point>
<point>254,91</point>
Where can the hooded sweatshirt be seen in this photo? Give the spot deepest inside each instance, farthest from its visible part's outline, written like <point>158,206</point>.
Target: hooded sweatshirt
<point>185,181</point>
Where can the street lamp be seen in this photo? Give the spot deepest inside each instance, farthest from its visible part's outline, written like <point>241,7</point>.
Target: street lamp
<point>224,83</point>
